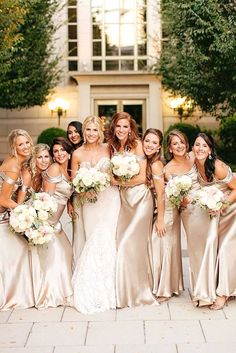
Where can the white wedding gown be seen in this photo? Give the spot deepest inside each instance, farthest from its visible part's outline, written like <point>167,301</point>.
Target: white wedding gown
<point>94,276</point>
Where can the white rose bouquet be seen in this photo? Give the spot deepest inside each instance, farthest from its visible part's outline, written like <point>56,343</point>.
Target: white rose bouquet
<point>31,218</point>
<point>124,166</point>
<point>209,198</point>
<point>90,180</point>
<point>177,188</point>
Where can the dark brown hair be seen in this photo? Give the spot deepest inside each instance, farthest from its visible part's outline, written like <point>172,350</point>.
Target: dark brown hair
<point>78,126</point>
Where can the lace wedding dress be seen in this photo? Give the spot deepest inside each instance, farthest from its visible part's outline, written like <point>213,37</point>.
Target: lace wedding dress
<point>94,276</point>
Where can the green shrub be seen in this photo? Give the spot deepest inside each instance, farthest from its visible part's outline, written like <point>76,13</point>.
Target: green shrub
<point>227,142</point>
<point>48,135</point>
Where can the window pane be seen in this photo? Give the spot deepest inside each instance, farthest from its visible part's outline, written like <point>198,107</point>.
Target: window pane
<point>72,15</point>
<point>127,39</point>
<point>111,50</point>
<point>127,11</point>
<point>96,3</point>
<point>141,32</point>
<point>112,16</point>
<point>96,15</point>
<point>127,65</point>
<point>112,35</point>
<point>142,49</point>
<point>72,2</point>
<point>112,65</point>
<point>97,48</point>
<point>97,32</point>
<point>142,64</point>
<point>72,29</point>
<point>72,48</point>
<point>73,65</point>
<point>97,65</point>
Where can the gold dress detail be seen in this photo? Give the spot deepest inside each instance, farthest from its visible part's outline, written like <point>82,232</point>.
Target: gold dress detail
<point>166,255</point>
<point>52,265</point>
<point>226,257</point>
<point>202,242</point>
<point>16,290</point>
<point>133,270</point>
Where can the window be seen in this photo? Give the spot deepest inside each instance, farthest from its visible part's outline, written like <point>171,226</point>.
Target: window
<point>72,35</point>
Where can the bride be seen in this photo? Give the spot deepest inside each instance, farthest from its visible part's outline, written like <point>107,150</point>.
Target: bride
<point>94,275</point>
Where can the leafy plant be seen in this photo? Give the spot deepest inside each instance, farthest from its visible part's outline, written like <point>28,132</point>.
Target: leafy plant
<point>49,134</point>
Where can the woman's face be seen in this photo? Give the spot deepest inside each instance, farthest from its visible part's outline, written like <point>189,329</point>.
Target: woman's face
<point>73,135</point>
<point>201,149</point>
<point>122,129</point>
<point>151,144</point>
<point>178,147</point>
<point>60,155</point>
<point>23,146</point>
<point>91,133</point>
<point>42,160</point>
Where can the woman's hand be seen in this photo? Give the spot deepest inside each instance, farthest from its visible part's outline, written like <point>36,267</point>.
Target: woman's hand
<point>160,228</point>
<point>91,196</point>
<point>70,209</point>
<point>186,201</point>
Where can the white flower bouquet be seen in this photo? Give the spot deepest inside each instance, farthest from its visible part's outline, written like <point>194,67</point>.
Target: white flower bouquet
<point>124,166</point>
<point>177,188</point>
<point>90,180</point>
<point>31,219</point>
<point>209,198</point>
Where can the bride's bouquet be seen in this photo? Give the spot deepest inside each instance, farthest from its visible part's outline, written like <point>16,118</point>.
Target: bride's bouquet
<point>31,218</point>
<point>90,180</point>
<point>124,166</point>
<point>177,188</point>
<point>209,198</point>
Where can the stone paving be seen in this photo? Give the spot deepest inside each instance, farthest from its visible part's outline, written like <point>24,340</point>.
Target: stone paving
<point>172,327</point>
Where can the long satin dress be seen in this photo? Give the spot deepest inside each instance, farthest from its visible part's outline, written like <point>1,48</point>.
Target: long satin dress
<point>94,275</point>
<point>226,258</point>
<point>16,290</point>
<point>202,242</point>
<point>52,265</point>
<point>166,254</point>
<point>133,270</point>
<point>78,238</point>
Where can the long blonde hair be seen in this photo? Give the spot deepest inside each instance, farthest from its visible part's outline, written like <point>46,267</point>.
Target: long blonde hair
<point>12,139</point>
<point>96,121</point>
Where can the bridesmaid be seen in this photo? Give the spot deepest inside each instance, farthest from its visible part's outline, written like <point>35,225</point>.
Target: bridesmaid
<point>201,241</point>
<point>133,275</point>
<point>51,266</point>
<point>16,289</point>
<point>74,134</point>
<point>167,269</point>
<point>212,171</point>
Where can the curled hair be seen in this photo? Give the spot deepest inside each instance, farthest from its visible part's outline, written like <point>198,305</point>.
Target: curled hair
<point>35,172</point>
<point>209,165</point>
<point>113,141</point>
<point>96,121</point>
<point>12,139</point>
<point>183,138</point>
<point>155,156</point>
<point>78,126</point>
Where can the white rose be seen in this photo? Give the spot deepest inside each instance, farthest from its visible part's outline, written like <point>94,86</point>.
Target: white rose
<point>42,215</point>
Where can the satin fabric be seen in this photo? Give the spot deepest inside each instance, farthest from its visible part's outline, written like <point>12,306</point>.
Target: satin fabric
<point>52,264</point>
<point>133,274</point>
<point>16,290</point>
<point>166,255</point>
<point>202,243</point>
<point>78,239</point>
<point>226,258</point>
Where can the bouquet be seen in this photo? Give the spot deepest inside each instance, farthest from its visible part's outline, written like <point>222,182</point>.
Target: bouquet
<point>209,198</point>
<point>124,166</point>
<point>31,219</point>
<point>90,180</point>
<point>177,188</point>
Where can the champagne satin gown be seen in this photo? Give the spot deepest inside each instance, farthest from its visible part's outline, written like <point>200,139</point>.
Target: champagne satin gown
<point>16,290</point>
<point>94,275</point>
<point>166,254</point>
<point>52,265</point>
<point>202,243</point>
<point>133,269</point>
<point>226,257</point>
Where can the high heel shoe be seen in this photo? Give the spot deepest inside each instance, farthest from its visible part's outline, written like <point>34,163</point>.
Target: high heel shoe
<point>219,303</point>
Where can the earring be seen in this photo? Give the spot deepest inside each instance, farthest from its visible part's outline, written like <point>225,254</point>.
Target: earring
<point>210,156</point>
<point>69,157</point>
<point>129,133</point>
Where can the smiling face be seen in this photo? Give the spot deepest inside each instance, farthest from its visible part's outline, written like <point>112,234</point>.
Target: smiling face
<point>122,129</point>
<point>178,146</point>
<point>42,160</point>
<point>59,153</point>
<point>73,135</point>
<point>23,146</point>
<point>201,149</point>
<point>151,144</point>
<point>91,134</point>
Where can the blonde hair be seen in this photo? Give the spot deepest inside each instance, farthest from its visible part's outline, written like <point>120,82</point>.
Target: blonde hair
<point>12,139</point>
<point>40,147</point>
<point>96,121</point>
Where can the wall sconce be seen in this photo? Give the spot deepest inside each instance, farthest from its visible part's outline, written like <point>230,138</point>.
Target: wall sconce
<point>183,106</point>
<point>60,107</point>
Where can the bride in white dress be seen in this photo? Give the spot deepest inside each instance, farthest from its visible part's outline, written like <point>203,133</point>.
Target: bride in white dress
<point>94,275</point>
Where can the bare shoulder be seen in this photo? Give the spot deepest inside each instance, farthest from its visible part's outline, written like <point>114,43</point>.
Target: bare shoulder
<point>157,167</point>
<point>221,169</point>
<point>77,153</point>
<point>191,156</point>
<point>26,175</point>
<point>54,170</point>
<point>139,148</point>
<point>10,168</point>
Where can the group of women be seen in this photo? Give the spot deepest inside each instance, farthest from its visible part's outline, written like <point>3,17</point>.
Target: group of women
<point>126,247</point>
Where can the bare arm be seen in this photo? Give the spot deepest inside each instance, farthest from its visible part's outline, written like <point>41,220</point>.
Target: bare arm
<point>158,180</point>
<point>26,179</point>
<point>12,174</point>
<point>74,163</point>
<point>221,171</point>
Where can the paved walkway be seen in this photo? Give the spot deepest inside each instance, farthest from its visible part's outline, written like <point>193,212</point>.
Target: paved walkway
<point>173,327</point>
